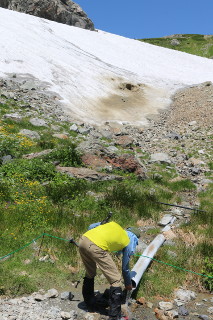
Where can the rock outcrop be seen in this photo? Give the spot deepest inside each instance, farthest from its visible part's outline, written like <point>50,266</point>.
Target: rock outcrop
<point>63,11</point>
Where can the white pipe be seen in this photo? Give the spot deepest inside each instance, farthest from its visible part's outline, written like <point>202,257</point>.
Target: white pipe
<point>143,262</point>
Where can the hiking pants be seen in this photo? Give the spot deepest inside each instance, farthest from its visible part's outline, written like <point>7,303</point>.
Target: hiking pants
<point>93,256</point>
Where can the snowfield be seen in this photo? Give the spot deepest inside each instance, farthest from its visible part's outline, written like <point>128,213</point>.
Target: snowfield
<point>99,76</point>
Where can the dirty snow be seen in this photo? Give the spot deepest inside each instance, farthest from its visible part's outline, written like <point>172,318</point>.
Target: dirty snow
<point>99,76</point>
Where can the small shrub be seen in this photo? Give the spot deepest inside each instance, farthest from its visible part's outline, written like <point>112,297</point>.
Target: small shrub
<point>35,169</point>
<point>64,188</point>
<point>66,155</point>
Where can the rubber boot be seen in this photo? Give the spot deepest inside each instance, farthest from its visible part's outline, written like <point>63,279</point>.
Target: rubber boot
<point>88,293</point>
<point>115,300</point>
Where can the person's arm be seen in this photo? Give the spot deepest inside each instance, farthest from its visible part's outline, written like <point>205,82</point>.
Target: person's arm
<point>125,268</point>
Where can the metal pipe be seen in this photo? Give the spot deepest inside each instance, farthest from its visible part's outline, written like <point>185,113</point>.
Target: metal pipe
<point>144,261</point>
<point>175,205</point>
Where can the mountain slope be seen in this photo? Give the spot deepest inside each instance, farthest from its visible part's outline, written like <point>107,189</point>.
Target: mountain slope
<point>198,44</point>
<point>99,76</point>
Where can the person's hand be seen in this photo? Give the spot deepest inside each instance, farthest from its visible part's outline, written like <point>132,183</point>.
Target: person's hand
<point>129,287</point>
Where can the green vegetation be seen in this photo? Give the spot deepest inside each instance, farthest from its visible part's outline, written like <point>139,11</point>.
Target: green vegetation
<point>196,44</point>
<point>35,198</point>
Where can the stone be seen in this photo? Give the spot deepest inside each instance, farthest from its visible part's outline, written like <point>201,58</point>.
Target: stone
<point>160,314</point>
<point>87,174</point>
<point>65,315</point>
<point>62,11</point>
<point>52,293</point>
<point>37,154</point>
<point>185,295</point>
<point>66,295</point>
<point>74,127</point>
<point>160,157</point>
<point>172,314</point>
<point>210,310</point>
<point>203,317</point>
<point>192,123</point>
<point>84,130</point>
<point>38,122</point>
<point>174,136</point>
<point>149,305</point>
<point>112,149</point>
<point>175,42</point>
<point>164,305</point>
<point>167,218</point>
<point>124,141</point>
<point>6,159</point>
<point>30,134</point>
<point>39,297</point>
<point>182,311</point>
<point>13,116</point>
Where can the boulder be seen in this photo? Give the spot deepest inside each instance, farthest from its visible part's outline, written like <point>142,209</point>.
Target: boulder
<point>87,174</point>
<point>37,154</point>
<point>160,157</point>
<point>185,295</point>
<point>62,11</point>
<point>30,134</point>
<point>13,116</point>
<point>52,293</point>
<point>38,122</point>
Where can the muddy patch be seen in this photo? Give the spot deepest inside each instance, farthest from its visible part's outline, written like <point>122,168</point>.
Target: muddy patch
<point>131,103</point>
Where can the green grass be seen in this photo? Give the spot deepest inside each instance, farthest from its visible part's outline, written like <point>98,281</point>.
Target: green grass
<point>190,43</point>
<point>35,198</point>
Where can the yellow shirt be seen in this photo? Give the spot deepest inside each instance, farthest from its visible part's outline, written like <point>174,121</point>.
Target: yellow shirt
<point>109,236</point>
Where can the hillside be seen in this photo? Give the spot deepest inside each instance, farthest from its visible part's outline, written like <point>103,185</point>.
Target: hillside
<point>197,44</point>
<point>81,135</point>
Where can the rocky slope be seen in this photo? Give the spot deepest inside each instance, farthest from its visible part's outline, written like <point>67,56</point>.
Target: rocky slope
<point>62,11</point>
<point>179,137</point>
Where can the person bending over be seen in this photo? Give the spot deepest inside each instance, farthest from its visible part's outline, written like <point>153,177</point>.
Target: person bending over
<point>95,246</point>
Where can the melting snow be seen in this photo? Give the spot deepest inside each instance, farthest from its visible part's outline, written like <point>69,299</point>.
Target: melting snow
<point>99,76</point>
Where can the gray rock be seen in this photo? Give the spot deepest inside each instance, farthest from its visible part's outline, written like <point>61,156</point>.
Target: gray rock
<point>167,218</point>
<point>62,11</point>
<point>13,116</point>
<point>210,310</point>
<point>203,317</point>
<point>182,311</point>
<point>185,295</point>
<point>37,154</point>
<point>39,297</point>
<point>84,130</point>
<point>165,305</point>
<point>175,42</point>
<point>30,134</point>
<point>112,149</point>
<point>192,123</point>
<point>74,128</point>
<point>65,295</point>
<point>6,159</point>
<point>38,122</point>
<point>65,315</point>
<point>174,136</point>
<point>195,171</point>
<point>52,293</point>
<point>160,157</point>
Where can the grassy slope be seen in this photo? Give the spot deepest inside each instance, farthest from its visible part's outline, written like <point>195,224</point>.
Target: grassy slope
<point>196,44</point>
<point>34,198</point>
